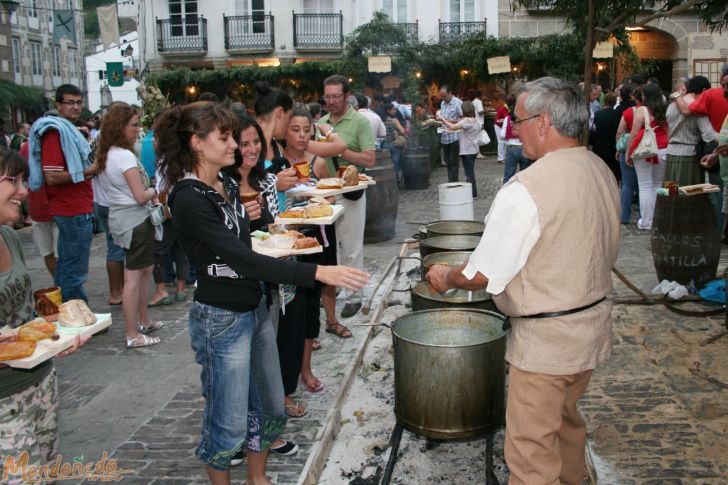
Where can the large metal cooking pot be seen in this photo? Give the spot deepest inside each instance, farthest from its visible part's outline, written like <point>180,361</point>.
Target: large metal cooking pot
<point>450,258</point>
<point>424,297</point>
<point>449,372</point>
<point>450,228</point>
<point>442,244</point>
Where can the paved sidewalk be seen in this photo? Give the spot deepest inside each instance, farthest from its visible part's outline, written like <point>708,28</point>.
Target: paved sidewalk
<point>650,420</point>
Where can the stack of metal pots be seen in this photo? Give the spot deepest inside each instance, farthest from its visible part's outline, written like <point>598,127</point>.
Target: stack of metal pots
<point>449,353</point>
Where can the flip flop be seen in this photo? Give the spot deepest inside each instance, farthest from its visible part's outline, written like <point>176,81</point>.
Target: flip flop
<point>313,389</point>
<point>145,329</point>
<point>135,343</point>
<point>167,300</point>
<point>338,329</point>
<point>296,410</point>
<point>180,297</point>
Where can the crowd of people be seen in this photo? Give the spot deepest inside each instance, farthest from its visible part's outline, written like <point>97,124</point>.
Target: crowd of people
<point>173,212</point>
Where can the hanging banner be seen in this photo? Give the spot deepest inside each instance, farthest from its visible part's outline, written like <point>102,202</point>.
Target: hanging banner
<point>63,26</point>
<point>115,74</point>
<point>108,24</point>
<point>497,65</point>
<point>603,50</point>
<point>380,64</point>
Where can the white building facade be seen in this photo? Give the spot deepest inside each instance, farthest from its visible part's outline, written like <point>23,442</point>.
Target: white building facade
<point>36,59</point>
<point>100,94</point>
<point>224,33</point>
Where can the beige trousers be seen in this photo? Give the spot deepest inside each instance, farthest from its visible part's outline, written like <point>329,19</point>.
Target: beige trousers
<point>545,435</point>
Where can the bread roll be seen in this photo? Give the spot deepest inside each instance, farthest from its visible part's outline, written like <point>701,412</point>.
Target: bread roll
<point>330,183</point>
<point>36,330</point>
<point>318,210</point>
<point>306,242</point>
<point>75,313</point>
<point>16,350</point>
<point>351,176</point>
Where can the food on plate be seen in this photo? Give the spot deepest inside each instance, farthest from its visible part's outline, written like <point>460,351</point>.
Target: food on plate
<point>330,183</point>
<point>75,313</point>
<point>293,213</point>
<point>276,229</point>
<point>248,197</point>
<point>16,350</point>
<point>303,169</point>
<point>284,240</point>
<point>318,210</point>
<point>36,330</point>
<point>350,176</point>
<point>364,178</point>
<point>318,200</point>
<point>305,243</point>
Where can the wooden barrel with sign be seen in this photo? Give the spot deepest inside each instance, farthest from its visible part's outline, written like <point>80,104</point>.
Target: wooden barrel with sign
<point>382,200</point>
<point>685,239</point>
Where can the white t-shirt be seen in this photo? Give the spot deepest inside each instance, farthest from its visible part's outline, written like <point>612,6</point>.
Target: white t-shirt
<point>469,136</point>
<point>478,105</point>
<point>111,182</point>
<point>511,231</point>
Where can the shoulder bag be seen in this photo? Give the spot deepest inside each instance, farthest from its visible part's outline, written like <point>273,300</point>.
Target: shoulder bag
<point>483,138</point>
<point>647,146</point>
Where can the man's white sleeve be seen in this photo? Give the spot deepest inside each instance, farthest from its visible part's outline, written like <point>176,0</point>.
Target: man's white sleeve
<point>511,231</point>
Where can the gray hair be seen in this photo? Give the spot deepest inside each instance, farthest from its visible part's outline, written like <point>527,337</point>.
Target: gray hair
<point>563,102</point>
<point>351,100</point>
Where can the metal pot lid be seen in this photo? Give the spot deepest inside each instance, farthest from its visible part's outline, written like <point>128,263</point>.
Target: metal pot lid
<point>450,258</point>
<point>456,227</point>
<point>453,243</point>
<point>458,327</point>
<point>424,290</point>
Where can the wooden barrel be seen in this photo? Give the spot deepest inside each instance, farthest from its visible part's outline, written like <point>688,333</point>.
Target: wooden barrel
<point>416,169</point>
<point>685,239</point>
<point>382,200</point>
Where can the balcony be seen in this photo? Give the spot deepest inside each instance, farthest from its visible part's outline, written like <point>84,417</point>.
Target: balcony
<point>179,35</point>
<point>249,33</point>
<point>318,31</point>
<point>450,31</point>
<point>411,30</point>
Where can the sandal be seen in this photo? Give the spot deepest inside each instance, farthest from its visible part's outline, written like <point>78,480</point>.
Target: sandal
<point>167,300</point>
<point>145,329</point>
<point>315,345</point>
<point>296,409</point>
<point>141,341</point>
<point>338,329</point>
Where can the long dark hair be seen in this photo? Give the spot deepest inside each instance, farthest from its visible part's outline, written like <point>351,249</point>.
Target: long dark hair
<point>174,129</point>
<point>268,98</point>
<point>655,101</point>
<point>257,173</point>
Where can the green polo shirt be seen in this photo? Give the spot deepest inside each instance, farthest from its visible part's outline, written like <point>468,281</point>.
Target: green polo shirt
<point>356,131</point>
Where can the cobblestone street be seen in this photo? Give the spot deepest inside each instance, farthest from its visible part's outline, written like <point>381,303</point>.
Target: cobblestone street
<point>650,420</point>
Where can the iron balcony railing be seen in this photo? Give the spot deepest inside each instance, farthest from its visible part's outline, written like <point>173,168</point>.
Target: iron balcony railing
<point>182,34</point>
<point>318,30</point>
<point>411,30</point>
<point>450,31</point>
<point>249,32</point>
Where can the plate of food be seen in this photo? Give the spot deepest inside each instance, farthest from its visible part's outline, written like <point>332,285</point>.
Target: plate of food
<point>281,242</point>
<point>348,180</point>
<point>317,211</point>
<point>39,340</point>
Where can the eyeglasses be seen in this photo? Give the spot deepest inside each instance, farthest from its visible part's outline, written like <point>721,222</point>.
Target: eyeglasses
<point>333,97</point>
<point>516,121</point>
<point>78,102</point>
<point>19,183</point>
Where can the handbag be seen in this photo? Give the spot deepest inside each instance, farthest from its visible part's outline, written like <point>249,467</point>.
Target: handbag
<point>483,138</point>
<point>647,146</point>
<point>622,142</point>
<point>156,214</point>
<point>399,141</point>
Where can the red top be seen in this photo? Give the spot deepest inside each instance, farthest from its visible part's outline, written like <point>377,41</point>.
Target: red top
<point>37,201</point>
<point>500,114</point>
<point>65,199</point>
<point>713,104</point>
<point>660,130</point>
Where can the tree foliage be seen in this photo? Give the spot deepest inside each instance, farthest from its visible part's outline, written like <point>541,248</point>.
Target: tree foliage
<point>16,96</point>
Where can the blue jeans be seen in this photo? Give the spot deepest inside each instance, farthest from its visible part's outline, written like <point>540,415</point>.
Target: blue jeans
<point>628,190</point>
<point>396,154</point>
<point>469,169</point>
<point>75,234</point>
<point>114,252</point>
<point>514,158</point>
<point>241,381</point>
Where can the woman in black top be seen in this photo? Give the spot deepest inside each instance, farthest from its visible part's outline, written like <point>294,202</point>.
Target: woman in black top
<point>240,375</point>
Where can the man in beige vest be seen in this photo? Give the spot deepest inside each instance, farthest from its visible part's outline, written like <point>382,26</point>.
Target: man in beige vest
<point>550,241</point>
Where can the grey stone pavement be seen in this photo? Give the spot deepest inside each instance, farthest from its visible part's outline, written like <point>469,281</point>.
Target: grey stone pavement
<point>650,420</point>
